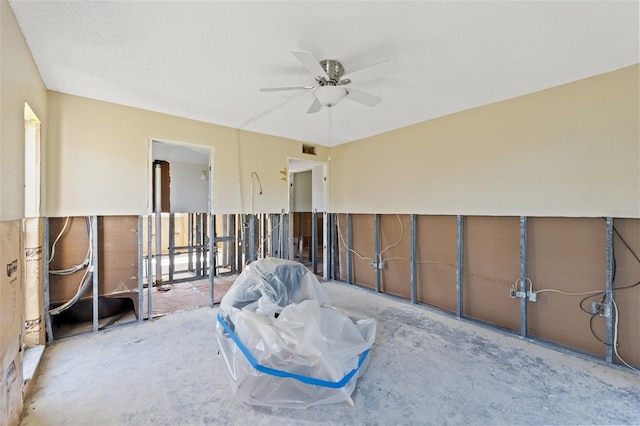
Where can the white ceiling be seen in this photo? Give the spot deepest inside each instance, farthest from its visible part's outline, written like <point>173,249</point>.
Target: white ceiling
<point>206,60</point>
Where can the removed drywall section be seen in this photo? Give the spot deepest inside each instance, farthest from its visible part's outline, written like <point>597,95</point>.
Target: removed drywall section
<point>343,250</point>
<point>627,273</point>
<point>364,245</point>
<point>395,253</point>
<point>568,151</point>
<point>566,255</point>
<point>11,322</point>
<point>19,82</point>
<point>566,262</point>
<point>491,266</point>
<point>117,262</point>
<point>437,257</point>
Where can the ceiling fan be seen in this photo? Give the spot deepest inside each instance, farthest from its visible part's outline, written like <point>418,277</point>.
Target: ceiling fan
<point>330,83</point>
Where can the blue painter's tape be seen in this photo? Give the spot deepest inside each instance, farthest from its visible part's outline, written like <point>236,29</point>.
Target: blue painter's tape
<point>278,373</point>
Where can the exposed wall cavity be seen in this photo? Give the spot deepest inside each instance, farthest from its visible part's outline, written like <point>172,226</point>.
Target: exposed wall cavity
<point>566,262</point>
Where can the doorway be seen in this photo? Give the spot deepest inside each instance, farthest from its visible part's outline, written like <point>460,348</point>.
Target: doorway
<point>182,242</point>
<point>307,207</point>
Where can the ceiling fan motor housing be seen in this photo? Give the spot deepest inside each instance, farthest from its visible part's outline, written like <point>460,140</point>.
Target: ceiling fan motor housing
<point>334,70</point>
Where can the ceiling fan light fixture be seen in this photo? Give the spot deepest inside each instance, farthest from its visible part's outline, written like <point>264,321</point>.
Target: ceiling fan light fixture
<point>329,96</point>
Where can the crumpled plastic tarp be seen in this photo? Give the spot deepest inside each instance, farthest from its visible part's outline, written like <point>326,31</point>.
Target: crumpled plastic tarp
<point>283,344</point>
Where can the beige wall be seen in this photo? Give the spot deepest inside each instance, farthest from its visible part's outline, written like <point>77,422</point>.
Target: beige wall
<point>19,82</point>
<point>267,156</point>
<point>98,159</point>
<point>573,150</point>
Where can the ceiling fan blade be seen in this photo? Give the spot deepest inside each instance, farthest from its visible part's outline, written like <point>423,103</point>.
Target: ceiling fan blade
<point>315,106</point>
<point>310,63</point>
<point>363,97</point>
<point>279,89</point>
<point>370,71</point>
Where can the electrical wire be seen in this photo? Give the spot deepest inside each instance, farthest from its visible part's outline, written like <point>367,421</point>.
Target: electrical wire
<point>626,245</point>
<point>615,337</point>
<point>53,246</point>
<point>589,297</point>
<point>273,108</point>
<point>484,277</point>
<point>341,238</point>
<point>593,331</point>
<point>264,240</point>
<point>628,286</point>
<point>552,290</point>
<point>594,293</point>
<point>259,182</point>
<point>84,282</point>
<point>396,243</point>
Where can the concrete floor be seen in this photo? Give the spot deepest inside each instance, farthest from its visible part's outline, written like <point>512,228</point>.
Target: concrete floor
<point>426,368</point>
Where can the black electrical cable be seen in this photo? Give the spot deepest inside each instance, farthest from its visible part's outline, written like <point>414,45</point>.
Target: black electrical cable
<point>593,331</point>
<point>588,297</point>
<point>626,287</point>
<point>626,245</point>
<point>604,294</point>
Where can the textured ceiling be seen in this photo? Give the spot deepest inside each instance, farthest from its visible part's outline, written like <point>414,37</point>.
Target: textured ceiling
<point>206,60</point>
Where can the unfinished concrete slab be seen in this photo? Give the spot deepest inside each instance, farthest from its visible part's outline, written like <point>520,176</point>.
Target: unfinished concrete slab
<point>426,368</point>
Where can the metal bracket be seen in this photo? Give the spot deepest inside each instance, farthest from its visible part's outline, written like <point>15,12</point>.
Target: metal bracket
<point>515,294</point>
<point>376,265</point>
<point>602,309</point>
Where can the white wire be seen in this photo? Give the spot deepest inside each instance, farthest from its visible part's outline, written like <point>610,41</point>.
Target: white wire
<point>270,110</point>
<point>78,294</point>
<point>90,260</point>
<point>53,246</point>
<point>397,242</point>
<point>345,246</point>
<point>615,338</point>
<point>264,240</point>
<point>586,293</point>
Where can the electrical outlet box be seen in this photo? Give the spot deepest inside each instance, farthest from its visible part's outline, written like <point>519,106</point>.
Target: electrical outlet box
<point>602,309</point>
<point>514,294</point>
<point>378,265</point>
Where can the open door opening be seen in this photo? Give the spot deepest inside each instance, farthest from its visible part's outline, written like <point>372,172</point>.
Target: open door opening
<point>307,208</point>
<point>186,245</point>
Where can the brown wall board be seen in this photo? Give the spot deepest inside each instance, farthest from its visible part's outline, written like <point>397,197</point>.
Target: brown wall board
<point>342,246</point>
<point>437,257</point>
<point>491,264</point>
<point>363,243</point>
<point>627,273</point>
<point>306,224</point>
<point>305,237</point>
<point>395,242</point>
<point>566,254</point>
<point>117,262</point>
<point>70,249</point>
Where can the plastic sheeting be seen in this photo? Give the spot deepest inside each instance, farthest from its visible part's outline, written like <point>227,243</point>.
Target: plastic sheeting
<point>283,344</point>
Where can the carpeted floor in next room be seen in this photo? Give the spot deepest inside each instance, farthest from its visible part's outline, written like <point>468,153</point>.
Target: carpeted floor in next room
<point>426,368</point>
